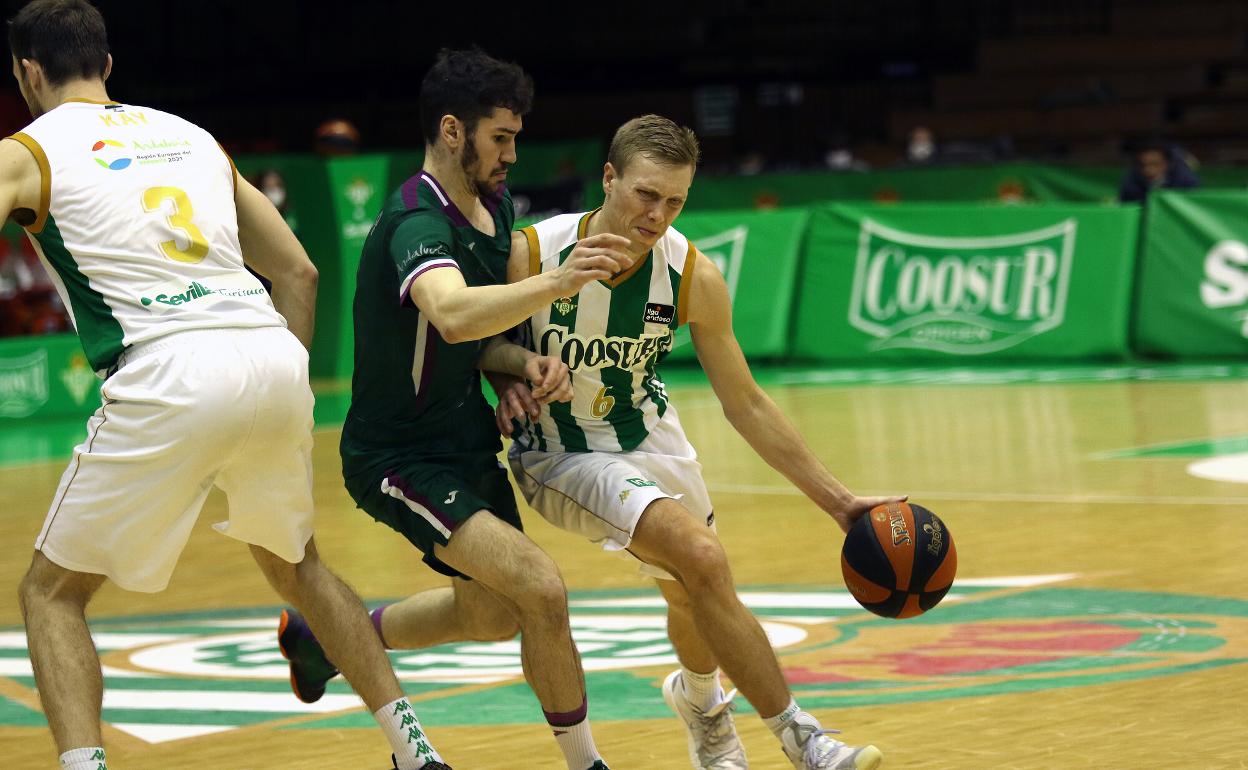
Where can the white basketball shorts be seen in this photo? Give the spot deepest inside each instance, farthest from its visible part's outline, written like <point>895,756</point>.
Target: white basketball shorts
<point>602,495</point>
<point>208,407</point>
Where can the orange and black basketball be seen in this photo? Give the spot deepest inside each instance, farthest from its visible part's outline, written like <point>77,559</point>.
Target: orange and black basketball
<point>899,560</point>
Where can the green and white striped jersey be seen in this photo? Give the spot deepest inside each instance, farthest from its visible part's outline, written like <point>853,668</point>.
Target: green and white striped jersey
<point>137,226</point>
<point>611,335</point>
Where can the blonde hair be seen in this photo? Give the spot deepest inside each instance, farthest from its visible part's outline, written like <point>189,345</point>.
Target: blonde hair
<point>658,139</point>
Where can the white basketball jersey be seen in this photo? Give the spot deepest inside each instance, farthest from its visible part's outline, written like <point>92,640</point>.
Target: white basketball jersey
<point>612,335</point>
<point>137,226</point>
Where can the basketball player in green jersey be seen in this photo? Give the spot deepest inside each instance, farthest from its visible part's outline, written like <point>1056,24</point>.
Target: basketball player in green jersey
<point>206,376</point>
<point>419,447</point>
<point>614,463</point>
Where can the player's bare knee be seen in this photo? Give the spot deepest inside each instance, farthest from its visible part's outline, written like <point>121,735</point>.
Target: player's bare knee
<point>702,565</point>
<point>45,584</point>
<point>495,625</point>
<point>542,594</point>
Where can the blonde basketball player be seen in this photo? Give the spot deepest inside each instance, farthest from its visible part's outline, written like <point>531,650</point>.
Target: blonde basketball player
<point>143,225</point>
<point>614,463</point>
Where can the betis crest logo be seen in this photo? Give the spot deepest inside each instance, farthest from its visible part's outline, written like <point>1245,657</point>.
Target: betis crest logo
<point>965,296</point>
<point>78,378</point>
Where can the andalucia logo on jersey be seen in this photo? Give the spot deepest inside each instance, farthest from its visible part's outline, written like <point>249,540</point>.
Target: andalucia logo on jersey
<point>960,295</point>
<point>106,154</point>
<point>179,676</point>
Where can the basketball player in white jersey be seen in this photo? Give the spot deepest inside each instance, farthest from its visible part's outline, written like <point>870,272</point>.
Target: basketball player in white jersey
<point>144,225</point>
<point>614,463</point>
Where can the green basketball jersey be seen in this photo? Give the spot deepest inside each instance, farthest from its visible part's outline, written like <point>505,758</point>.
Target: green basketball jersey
<point>611,335</point>
<point>412,390</point>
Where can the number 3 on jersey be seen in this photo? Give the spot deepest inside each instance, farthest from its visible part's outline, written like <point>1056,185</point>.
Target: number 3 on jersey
<point>180,220</point>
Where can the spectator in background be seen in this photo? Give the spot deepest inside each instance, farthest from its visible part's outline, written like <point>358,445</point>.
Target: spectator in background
<point>337,137</point>
<point>752,163</point>
<point>921,146</point>
<point>1157,164</point>
<point>273,185</point>
<point>839,155</point>
<point>28,300</point>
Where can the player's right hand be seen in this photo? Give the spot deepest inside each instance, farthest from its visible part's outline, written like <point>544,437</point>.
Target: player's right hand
<point>596,258</point>
<point>515,402</point>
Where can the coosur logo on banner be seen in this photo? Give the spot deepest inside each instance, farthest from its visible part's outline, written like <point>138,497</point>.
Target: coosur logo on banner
<point>1226,280</point>
<point>966,296</point>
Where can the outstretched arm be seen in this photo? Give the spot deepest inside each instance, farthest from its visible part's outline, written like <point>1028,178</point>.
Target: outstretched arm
<point>752,412</point>
<point>461,312</point>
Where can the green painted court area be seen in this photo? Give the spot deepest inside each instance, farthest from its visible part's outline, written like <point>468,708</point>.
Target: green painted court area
<point>222,670</point>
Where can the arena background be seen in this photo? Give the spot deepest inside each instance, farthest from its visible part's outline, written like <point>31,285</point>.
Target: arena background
<point>979,321</point>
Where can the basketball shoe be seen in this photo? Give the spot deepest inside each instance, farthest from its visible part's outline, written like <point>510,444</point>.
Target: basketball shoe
<point>310,670</point>
<point>713,741</point>
<point>810,748</point>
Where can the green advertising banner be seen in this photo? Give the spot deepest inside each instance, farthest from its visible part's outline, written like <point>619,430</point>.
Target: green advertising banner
<point>358,189</point>
<point>308,210</point>
<point>1193,291</point>
<point>46,377</point>
<point>999,183</point>
<point>947,282</point>
<point>758,254</point>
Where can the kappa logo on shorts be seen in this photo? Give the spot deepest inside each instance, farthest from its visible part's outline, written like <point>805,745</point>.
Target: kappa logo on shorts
<point>624,495</point>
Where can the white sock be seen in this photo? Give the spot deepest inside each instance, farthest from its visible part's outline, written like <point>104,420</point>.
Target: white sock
<point>784,718</point>
<point>412,750</point>
<point>701,690</point>
<point>577,744</point>
<point>90,758</point>
<point>792,714</point>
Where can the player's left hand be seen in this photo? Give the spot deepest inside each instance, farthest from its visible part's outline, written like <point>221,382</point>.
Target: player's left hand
<point>857,507</point>
<point>550,377</point>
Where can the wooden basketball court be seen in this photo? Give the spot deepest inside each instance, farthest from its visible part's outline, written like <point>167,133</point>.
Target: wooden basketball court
<point>1100,619</point>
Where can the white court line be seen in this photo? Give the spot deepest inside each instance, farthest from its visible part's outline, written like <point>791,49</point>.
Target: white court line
<point>16,640</point>
<point>22,667</point>
<point>224,700</point>
<point>166,733</point>
<point>998,497</point>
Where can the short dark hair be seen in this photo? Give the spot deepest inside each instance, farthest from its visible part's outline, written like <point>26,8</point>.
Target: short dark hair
<point>66,37</point>
<point>470,84</point>
<point>656,138</point>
